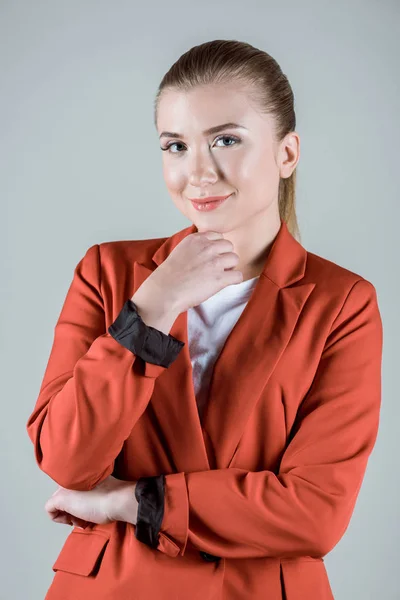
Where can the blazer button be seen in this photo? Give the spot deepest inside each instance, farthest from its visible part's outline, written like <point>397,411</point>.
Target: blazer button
<point>209,557</point>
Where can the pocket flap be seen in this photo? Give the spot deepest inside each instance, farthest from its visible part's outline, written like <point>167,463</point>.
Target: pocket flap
<point>304,578</point>
<point>80,552</point>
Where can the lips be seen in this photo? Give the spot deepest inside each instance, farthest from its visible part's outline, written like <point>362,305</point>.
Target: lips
<point>209,199</point>
<point>208,204</point>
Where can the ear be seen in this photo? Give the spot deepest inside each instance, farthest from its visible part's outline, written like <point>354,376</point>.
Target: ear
<point>289,154</point>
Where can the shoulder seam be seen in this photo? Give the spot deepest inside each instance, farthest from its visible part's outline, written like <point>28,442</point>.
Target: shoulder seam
<point>343,305</point>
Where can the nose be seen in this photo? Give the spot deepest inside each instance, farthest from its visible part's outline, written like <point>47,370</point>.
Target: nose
<point>202,170</point>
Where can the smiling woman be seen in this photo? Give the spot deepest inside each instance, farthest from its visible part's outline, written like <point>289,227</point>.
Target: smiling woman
<point>236,394</point>
<point>197,164</point>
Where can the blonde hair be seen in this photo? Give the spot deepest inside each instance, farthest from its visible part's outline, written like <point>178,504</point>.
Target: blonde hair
<point>220,61</point>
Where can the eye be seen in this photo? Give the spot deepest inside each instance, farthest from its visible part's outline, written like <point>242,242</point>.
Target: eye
<point>170,146</point>
<point>233,138</point>
<point>228,137</point>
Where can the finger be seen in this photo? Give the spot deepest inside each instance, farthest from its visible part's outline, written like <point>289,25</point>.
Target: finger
<point>78,522</point>
<point>59,516</point>
<point>62,518</point>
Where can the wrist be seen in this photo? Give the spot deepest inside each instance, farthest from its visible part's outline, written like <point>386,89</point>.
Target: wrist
<point>157,314</point>
<point>124,503</point>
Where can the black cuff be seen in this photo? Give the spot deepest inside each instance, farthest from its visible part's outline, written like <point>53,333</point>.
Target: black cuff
<point>149,343</point>
<point>149,492</point>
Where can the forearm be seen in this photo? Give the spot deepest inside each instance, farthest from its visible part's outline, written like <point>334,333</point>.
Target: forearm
<point>91,378</point>
<point>161,316</point>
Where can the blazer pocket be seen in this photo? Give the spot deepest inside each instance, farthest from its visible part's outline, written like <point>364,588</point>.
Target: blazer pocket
<point>82,552</point>
<point>305,578</point>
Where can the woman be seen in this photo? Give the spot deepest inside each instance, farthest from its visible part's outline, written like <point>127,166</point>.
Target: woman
<point>211,398</point>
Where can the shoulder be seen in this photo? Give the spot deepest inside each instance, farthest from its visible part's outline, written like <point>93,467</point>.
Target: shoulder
<point>109,253</point>
<point>112,261</point>
<point>129,250</point>
<point>324,270</point>
<point>336,282</point>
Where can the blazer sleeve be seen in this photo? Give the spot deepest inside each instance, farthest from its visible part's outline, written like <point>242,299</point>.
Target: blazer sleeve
<point>95,387</point>
<point>306,507</point>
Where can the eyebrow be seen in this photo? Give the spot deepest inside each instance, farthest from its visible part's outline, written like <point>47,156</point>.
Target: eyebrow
<point>209,131</point>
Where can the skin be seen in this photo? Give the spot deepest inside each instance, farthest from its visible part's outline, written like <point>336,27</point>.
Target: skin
<point>111,500</point>
<point>247,162</point>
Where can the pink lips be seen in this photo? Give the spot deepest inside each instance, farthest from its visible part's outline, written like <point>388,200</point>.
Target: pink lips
<point>210,203</point>
<point>209,199</point>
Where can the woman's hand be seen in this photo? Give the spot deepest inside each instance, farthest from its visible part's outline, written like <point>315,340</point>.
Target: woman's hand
<point>111,500</point>
<point>199,266</point>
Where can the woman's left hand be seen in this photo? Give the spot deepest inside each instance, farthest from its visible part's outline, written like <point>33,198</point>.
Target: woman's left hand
<point>101,505</point>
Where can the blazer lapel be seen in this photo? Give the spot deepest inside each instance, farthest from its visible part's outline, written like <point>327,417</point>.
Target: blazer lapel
<point>243,367</point>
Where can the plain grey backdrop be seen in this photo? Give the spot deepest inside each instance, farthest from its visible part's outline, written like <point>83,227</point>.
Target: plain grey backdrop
<point>80,164</point>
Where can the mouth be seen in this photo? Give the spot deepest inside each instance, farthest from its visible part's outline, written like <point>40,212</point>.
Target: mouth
<point>209,204</point>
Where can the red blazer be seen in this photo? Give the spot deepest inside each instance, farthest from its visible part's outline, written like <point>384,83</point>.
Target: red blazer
<point>268,483</point>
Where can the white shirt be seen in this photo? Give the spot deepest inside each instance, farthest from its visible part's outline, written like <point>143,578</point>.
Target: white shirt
<point>209,324</point>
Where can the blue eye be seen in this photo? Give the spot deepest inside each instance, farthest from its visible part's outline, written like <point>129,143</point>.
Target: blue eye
<point>233,138</point>
<point>228,137</point>
<point>170,146</point>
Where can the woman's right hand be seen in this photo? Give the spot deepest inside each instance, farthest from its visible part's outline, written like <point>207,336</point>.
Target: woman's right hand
<point>199,266</point>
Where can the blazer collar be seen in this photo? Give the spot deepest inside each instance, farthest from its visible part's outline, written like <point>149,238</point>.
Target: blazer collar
<point>242,369</point>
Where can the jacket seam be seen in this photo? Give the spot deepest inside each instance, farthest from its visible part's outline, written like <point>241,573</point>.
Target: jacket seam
<point>342,307</point>
<point>99,280</point>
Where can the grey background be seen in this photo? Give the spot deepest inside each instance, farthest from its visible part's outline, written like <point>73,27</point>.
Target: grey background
<point>80,164</point>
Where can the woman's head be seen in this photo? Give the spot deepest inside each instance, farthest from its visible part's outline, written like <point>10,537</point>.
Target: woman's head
<point>226,81</point>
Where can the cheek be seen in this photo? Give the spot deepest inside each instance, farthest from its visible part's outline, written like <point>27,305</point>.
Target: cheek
<point>255,169</point>
<point>256,176</point>
<point>174,176</point>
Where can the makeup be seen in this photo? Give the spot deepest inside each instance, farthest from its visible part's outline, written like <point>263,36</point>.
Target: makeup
<point>207,206</point>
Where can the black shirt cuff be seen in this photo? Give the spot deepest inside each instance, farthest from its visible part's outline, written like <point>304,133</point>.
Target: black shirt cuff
<point>149,492</point>
<point>149,343</point>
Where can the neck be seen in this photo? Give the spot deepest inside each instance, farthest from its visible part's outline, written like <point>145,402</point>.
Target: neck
<point>253,242</point>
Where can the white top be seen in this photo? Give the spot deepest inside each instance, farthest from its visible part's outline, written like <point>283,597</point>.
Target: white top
<point>209,324</point>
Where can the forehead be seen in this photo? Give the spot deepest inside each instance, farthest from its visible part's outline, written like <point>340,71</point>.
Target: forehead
<point>204,106</point>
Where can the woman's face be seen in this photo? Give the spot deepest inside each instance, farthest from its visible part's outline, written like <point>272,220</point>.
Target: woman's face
<point>243,161</point>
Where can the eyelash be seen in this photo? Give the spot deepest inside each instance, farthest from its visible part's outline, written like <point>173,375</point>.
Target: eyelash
<point>231,137</point>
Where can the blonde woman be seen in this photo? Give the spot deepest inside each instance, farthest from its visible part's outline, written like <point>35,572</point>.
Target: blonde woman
<point>211,398</point>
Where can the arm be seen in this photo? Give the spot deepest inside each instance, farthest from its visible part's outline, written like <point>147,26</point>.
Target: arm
<point>306,507</point>
<point>94,388</point>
